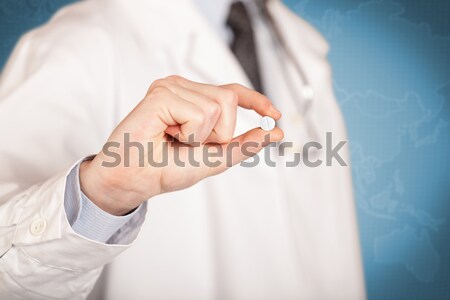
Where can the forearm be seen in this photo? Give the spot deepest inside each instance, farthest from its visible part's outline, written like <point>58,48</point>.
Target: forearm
<point>54,261</point>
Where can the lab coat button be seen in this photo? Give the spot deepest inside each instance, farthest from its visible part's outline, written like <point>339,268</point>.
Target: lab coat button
<point>38,226</point>
<point>307,92</point>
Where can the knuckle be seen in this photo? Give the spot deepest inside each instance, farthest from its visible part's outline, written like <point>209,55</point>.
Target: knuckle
<point>214,109</point>
<point>200,118</point>
<point>157,92</point>
<point>227,96</point>
<point>235,85</point>
<point>163,83</point>
<point>155,84</point>
<point>231,97</point>
<point>174,78</point>
<point>160,89</point>
<point>224,138</point>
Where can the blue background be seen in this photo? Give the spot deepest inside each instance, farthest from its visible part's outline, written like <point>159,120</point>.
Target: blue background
<point>391,67</point>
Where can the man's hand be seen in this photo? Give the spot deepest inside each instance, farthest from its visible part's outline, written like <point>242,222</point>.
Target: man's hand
<point>198,116</point>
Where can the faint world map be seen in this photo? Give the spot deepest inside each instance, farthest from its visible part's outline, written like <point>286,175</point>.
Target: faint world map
<point>391,63</point>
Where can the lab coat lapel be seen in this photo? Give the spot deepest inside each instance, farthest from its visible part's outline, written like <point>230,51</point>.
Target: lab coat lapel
<point>210,57</point>
<point>191,46</point>
<point>303,40</point>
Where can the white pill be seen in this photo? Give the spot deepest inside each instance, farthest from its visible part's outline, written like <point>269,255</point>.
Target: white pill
<point>267,123</point>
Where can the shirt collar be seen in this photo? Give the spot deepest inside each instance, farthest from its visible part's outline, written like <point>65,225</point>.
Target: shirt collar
<point>216,13</point>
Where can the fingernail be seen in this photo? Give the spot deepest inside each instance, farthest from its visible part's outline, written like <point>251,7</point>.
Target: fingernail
<point>276,113</point>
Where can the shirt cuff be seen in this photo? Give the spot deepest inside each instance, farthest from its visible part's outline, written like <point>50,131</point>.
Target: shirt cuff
<point>87,219</point>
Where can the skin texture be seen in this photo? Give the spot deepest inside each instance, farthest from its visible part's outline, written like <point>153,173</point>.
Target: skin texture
<point>198,116</point>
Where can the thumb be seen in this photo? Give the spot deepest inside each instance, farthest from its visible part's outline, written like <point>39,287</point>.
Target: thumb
<point>245,146</point>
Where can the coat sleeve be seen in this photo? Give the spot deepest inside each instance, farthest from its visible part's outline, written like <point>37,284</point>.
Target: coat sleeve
<point>57,105</point>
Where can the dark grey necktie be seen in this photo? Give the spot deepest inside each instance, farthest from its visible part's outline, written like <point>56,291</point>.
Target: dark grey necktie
<point>243,43</point>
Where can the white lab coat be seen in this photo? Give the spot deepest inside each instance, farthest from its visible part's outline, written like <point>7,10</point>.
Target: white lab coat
<point>250,233</point>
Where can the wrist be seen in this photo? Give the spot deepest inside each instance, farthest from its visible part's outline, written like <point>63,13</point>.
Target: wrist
<point>104,191</point>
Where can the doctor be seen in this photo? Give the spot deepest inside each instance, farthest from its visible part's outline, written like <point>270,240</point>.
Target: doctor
<point>249,233</point>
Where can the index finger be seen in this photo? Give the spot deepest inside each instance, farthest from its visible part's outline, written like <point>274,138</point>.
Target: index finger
<point>251,99</point>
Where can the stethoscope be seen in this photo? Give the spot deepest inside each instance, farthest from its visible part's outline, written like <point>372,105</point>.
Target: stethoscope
<point>304,99</point>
